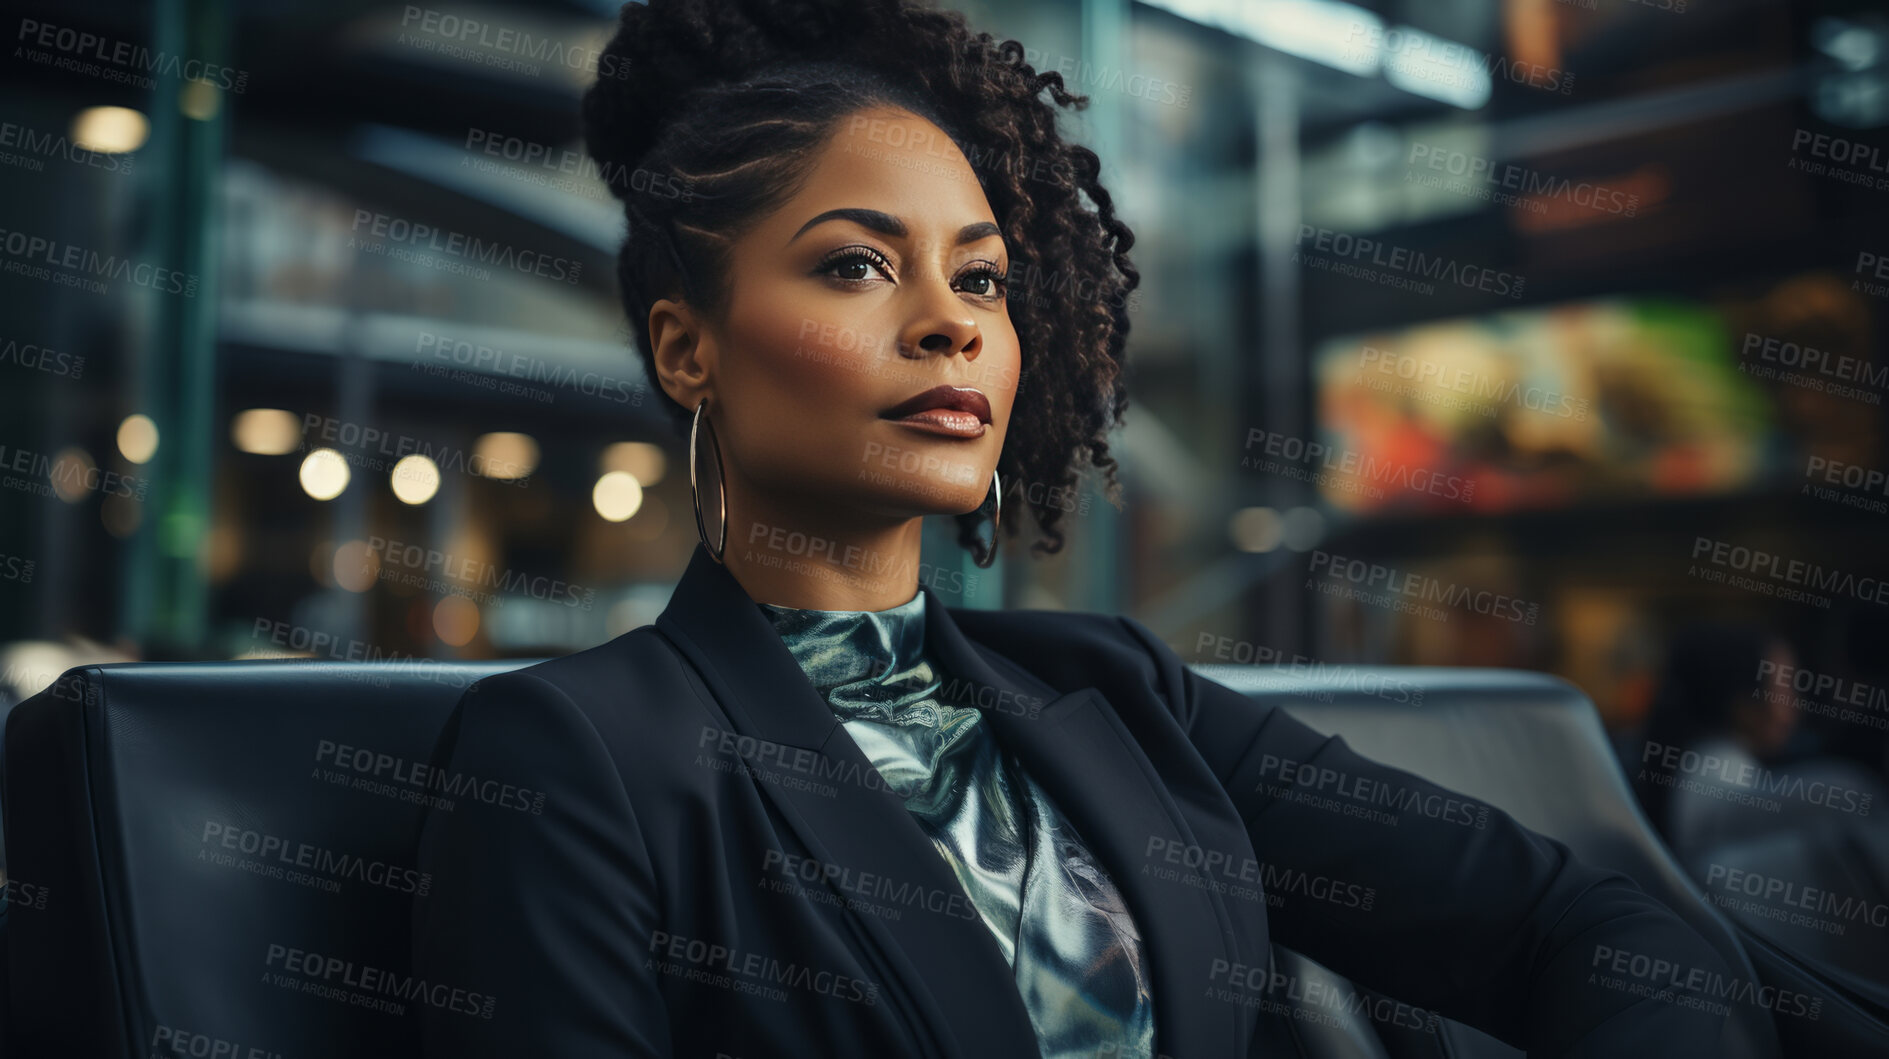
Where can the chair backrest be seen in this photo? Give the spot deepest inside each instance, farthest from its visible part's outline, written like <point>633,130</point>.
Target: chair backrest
<point>1529,743</point>
<point>221,855</point>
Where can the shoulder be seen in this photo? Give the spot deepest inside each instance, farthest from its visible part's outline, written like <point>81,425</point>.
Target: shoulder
<point>634,695</point>
<point>1052,629</point>
<point>1069,649</point>
<point>642,653</point>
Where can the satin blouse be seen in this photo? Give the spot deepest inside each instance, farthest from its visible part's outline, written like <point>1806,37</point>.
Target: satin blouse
<point>1060,921</point>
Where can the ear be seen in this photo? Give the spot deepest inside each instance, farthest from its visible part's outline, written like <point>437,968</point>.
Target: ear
<point>683,350</point>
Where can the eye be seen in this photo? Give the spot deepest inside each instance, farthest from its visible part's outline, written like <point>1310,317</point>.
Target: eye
<point>984,280</point>
<point>853,264</point>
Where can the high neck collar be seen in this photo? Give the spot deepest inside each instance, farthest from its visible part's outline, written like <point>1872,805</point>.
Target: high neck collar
<point>840,647</point>
<point>755,680</point>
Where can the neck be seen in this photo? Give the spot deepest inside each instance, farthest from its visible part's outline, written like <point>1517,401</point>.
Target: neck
<point>818,556</point>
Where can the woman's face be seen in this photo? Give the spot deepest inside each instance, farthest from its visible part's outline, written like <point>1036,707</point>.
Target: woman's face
<point>879,280</point>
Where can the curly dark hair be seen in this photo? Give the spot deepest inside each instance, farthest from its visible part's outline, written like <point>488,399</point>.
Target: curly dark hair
<point>707,114</point>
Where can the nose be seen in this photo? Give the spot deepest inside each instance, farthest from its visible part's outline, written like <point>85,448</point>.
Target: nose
<point>942,325</point>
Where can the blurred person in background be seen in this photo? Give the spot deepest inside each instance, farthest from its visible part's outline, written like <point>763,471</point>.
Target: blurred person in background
<point>1722,730</point>
<point>1782,831</point>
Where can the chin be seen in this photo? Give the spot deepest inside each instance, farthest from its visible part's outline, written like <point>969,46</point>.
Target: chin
<point>920,476</point>
<point>953,500</point>
<point>923,499</point>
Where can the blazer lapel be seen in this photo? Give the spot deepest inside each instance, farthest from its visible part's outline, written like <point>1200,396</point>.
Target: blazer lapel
<point>957,981</point>
<point>1070,742</point>
<point>1092,768</point>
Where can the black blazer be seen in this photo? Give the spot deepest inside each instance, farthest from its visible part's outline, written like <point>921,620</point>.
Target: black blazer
<point>687,855</point>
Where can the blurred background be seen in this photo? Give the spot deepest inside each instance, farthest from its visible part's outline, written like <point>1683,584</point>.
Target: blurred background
<point>1494,332</point>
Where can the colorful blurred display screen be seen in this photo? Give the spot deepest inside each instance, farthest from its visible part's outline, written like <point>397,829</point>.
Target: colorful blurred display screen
<point>1541,408</point>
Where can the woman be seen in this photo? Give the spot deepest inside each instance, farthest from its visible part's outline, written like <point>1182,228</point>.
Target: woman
<point>1712,701</point>
<point>1732,783</point>
<point>814,811</point>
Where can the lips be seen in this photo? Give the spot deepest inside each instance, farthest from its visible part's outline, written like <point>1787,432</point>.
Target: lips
<point>964,399</point>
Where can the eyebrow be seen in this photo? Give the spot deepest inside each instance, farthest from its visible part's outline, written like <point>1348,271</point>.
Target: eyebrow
<point>887,225</point>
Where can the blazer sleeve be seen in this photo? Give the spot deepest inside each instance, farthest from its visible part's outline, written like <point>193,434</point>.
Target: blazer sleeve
<point>1474,916</point>
<point>541,894</point>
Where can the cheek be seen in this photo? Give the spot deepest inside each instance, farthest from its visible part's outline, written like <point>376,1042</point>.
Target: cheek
<point>1005,373</point>
<point>821,360</point>
<point>802,378</point>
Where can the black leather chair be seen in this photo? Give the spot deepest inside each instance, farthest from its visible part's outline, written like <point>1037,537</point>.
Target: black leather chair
<point>225,853</point>
<point>1841,943</point>
<point>224,850</point>
<point>1533,745</point>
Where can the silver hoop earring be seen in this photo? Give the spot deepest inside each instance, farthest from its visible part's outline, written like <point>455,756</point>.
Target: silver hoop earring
<point>983,557</point>
<point>715,550</point>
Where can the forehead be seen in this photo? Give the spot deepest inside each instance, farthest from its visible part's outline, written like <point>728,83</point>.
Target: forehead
<point>889,159</point>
